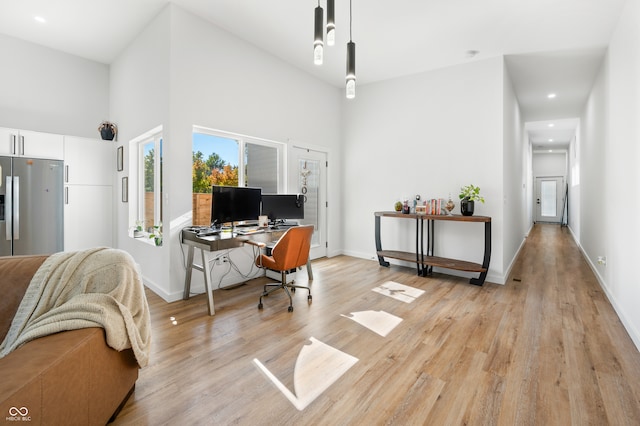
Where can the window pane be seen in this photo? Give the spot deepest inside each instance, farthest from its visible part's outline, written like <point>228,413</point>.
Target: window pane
<point>215,162</point>
<point>148,153</point>
<point>261,167</point>
<point>548,198</point>
<point>309,182</point>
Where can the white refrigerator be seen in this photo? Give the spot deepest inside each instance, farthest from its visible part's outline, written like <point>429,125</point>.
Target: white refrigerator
<point>31,206</point>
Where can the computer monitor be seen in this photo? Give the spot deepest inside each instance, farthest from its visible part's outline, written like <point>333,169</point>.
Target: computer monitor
<point>234,204</point>
<point>283,206</point>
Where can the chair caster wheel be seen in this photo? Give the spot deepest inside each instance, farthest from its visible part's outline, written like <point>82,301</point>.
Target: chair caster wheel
<point>259,305</point>
<point>293,289</point>
<point>290,309</point>
<point>309,297</point>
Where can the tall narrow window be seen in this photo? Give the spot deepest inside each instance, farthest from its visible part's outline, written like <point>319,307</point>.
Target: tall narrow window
<point>146,178</point>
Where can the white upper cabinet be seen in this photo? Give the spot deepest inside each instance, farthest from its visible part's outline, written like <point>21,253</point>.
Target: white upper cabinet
<point>25,143</point>
<point>88,161</point>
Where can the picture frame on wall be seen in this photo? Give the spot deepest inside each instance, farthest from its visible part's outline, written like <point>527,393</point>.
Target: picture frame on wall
<point>125,189</point>
<point>120,158</point>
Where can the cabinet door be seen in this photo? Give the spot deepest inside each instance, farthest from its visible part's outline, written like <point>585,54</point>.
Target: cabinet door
<point>88,217</point>
<point>7,137</point>
<point>41,145</point>
<point>88,161</point>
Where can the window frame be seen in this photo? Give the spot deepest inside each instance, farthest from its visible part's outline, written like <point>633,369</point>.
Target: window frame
<point>137,170</point>
<point>243,140</point>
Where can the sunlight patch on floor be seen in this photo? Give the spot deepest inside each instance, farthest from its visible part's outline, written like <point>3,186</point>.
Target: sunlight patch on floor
<point>379,322</point>
<point>318,366</point>
<point>399,291</point>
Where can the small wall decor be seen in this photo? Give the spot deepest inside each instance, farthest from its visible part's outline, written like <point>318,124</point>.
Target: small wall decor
<point>120,158</point>
<point>125,189</point>
<point>108,131</point>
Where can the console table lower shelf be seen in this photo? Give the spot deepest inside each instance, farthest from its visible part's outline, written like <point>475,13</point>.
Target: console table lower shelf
<point>426,262</point>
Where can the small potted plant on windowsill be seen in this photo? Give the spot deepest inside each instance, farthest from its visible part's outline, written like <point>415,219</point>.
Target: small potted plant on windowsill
<point>157,234</point>
<point>468,196</point>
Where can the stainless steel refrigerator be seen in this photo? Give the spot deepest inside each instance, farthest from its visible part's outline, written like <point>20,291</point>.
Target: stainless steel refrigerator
<point>31,206</point>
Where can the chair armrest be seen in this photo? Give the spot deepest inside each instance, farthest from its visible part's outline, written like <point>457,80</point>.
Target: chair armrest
<point>255,243</point>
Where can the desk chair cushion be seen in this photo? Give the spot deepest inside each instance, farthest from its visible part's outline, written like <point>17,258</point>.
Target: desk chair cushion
<point>291,250</point>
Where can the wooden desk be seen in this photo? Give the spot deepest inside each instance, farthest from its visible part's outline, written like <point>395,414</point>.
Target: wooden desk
<point>426,262</point>
<point>222,241</point>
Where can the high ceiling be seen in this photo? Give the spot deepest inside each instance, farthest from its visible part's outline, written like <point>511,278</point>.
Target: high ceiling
<point>550,45</point>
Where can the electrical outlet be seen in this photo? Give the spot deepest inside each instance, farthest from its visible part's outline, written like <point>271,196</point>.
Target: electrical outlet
<point>602,260</point>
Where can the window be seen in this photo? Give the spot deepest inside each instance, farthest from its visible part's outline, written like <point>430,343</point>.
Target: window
<point>146,179</point>
<point>227,159</point>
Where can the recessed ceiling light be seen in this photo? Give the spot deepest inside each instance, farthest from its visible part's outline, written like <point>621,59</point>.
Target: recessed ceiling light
<point>550,150</point>
<point>551,95</point>
<point>551,124</point>
<point>40,19</point>
<point>550,140</point>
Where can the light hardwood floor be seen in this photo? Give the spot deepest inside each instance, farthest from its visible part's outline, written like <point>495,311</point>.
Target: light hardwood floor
<point>545,349</point>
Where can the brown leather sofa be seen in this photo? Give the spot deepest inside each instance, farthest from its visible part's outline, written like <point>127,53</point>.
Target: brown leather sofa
<point>68,378</point>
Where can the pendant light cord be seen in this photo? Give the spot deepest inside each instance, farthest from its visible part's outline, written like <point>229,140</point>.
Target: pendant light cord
<point>350,22</point>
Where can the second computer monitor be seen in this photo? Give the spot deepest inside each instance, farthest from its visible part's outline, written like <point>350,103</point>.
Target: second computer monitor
<point>283,206</point>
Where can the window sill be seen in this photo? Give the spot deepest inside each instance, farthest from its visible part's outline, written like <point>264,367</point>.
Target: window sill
<point>143,237</point>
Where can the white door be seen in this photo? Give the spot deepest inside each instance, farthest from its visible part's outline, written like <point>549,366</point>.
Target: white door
<point>308,176</point>
<point>549,202</point>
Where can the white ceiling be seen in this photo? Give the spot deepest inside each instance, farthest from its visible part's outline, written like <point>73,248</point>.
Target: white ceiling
<point>550,45</point>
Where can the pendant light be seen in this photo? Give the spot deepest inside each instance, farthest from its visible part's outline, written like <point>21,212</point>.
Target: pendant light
<point>331,22</point>
<point>351,62</point>
<point>318,42</point>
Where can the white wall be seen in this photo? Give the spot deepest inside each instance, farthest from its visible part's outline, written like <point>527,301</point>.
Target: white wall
<point>50,91</point>
<point>608,153</point>
<point>592,157</point>
<point>547,164</point>
<point>515,163</point>
<point>210,78</point>
<point>426,134</point>
<point>140,102</point>
<point>622,180</point>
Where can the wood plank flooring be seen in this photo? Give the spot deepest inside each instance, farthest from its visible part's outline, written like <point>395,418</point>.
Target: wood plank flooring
<point>545,349</point>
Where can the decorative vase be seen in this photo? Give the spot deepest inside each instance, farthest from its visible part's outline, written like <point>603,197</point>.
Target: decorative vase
<point>107,134</point>
<point>466,207</point>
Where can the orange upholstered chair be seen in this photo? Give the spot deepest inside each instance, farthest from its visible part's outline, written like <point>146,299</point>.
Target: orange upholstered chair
<point>290,252</point>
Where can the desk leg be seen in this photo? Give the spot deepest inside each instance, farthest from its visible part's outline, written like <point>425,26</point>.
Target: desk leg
<point>187,276</point>
<point>381,260</point>
<point>309,270</point>
<point>487,256</point>
<point>207,283</point>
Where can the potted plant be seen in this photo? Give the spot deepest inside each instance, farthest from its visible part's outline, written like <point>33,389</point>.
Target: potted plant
<point>108,131</point>
<point>157,235</point>
<point>468,196</point>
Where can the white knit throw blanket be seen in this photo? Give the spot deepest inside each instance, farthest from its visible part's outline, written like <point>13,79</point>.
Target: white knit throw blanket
<point>99,287</point>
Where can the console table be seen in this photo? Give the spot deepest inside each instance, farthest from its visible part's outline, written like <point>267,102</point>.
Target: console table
<point>426,261</point>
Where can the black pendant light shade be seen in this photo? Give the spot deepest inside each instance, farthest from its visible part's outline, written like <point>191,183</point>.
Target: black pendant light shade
<point>351,60</point>
<point>318,41</point>
<point>331,22</point>
<point>351,70</point>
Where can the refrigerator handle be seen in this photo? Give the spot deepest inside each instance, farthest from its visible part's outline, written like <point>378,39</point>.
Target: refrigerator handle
<point>66,173</point>
<point>13,144</point>
<point>16,208</point>
<point>9,208</point>
<point>21,145</point>
<point>66,195</point>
